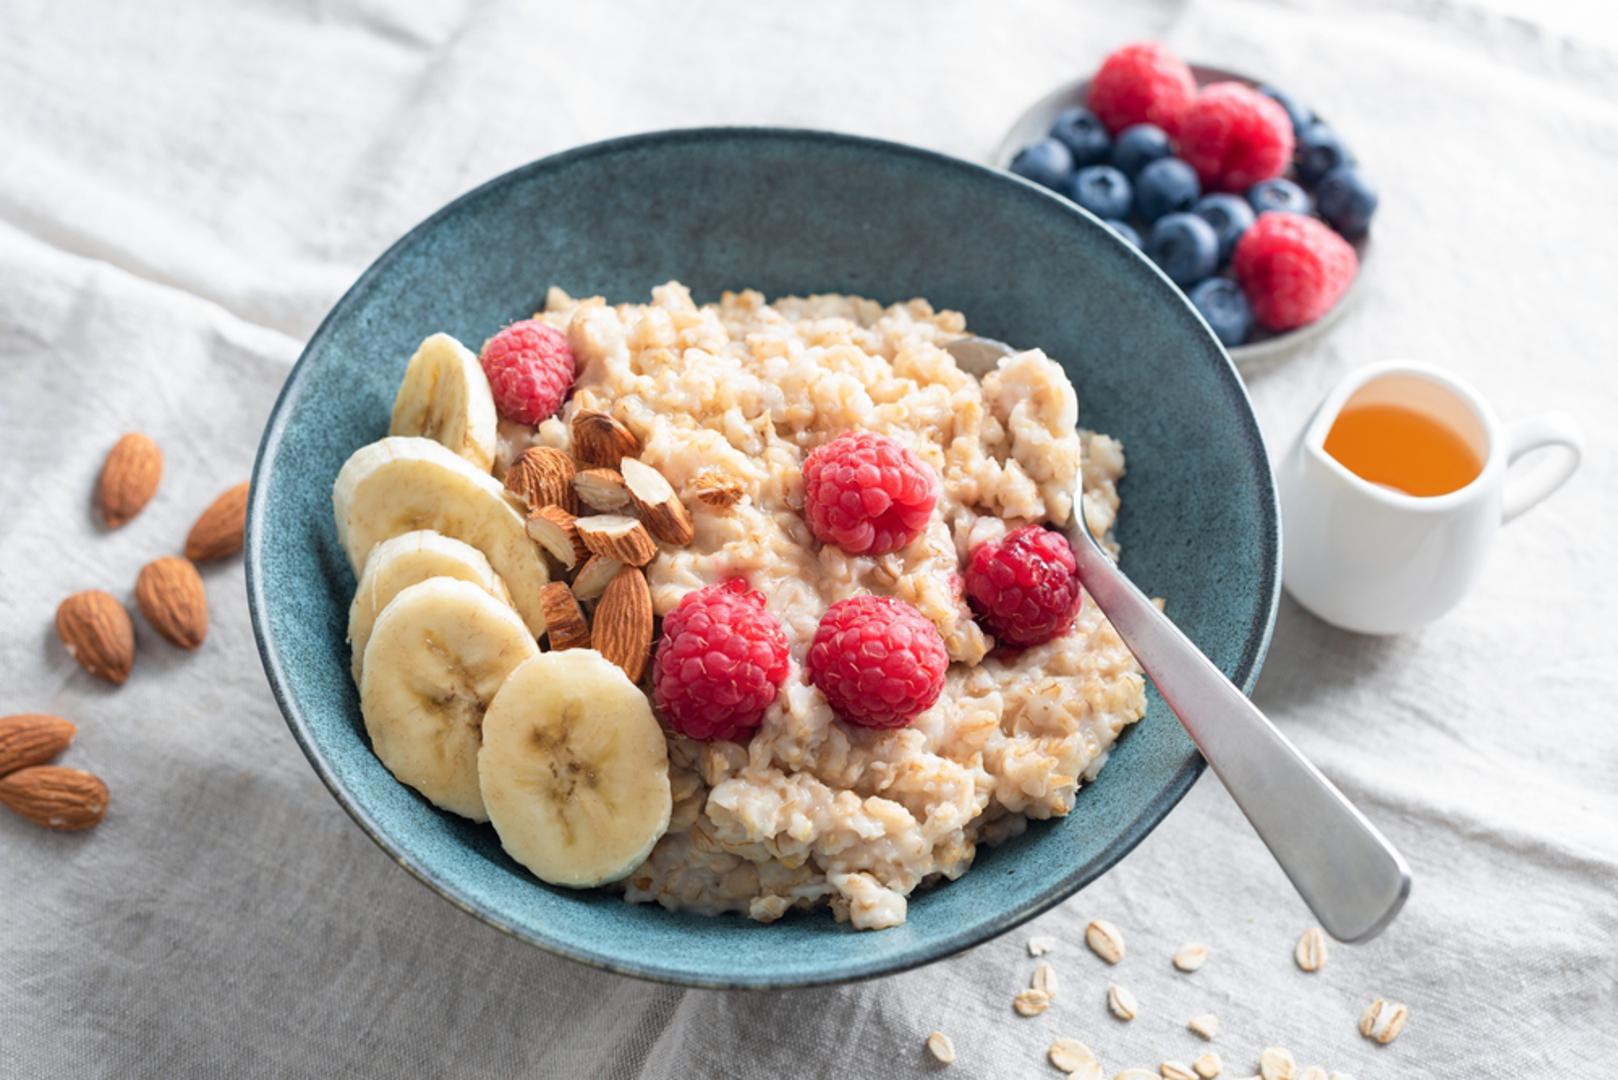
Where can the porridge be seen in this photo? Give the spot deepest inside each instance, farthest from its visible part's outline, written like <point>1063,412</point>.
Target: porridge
<point>803,803</point>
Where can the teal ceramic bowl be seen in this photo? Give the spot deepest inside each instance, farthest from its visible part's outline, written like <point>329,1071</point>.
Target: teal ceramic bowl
<point>783,212</point>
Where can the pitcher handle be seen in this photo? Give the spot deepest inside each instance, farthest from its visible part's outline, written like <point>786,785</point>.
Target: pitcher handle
<point>1530,485</point>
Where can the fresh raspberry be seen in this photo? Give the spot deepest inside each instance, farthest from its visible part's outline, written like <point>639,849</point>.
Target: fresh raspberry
<point>1234,137</point>
<point>878,661</point>
<point>530,367</point>
<point>866,493</point>
<point>1024,586</point>
<point>1292,268</point>
<point>719,663</point>
<point>1141,84</point>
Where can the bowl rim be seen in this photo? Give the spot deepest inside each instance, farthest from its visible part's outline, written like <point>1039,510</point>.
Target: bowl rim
<point>945,945</point>
<point>1253,356</point>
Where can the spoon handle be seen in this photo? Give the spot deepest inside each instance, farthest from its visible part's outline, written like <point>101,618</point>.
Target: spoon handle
<point>1345,870</point>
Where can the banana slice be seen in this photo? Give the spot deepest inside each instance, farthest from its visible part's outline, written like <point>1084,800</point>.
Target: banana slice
<point>575,770</point>
<point>399,484</point>
<point>445,396</point>
<point>437,655</point>
<point>397,564</point>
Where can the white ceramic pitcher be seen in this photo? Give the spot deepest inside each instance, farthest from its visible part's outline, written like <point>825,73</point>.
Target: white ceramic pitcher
<point>1378,561</point>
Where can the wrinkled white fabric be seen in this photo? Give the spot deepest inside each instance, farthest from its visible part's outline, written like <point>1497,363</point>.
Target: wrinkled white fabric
<point>186,187</point>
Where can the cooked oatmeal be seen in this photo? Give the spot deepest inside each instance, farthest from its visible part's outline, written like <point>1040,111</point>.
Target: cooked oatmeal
<point>811,811</point>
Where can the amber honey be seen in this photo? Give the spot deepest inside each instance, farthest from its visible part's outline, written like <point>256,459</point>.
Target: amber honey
<point>1402,448</point>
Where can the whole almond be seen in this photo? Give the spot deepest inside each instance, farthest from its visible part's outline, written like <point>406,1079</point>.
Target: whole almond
<point>129,478</point>
<point>565,627</point>
<point>169,593</point>
<point>96,631</point>
<point>55,797</point>
<point>543,476</point>
<point>32,739</point>
<point>218,532</point>
<point>623,622</point>
<point>598,439</point>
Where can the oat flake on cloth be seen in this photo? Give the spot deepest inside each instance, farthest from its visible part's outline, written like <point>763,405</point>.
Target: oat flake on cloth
<point>187,187</point>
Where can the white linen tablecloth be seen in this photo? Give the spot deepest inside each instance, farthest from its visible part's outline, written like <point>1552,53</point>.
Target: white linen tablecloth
<point>186,187</point>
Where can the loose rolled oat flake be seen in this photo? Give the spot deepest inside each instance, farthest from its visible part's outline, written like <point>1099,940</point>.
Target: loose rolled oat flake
<point>1136,1074</point>
<point>1121,1002</point>
<point>1040,944</point>
<point>1045,979</point>
<point>1204,1025</point>
<point>1276,1063</point>
<point>1310,953</point>
<point>1070,1055</point>
<point>1383,1020</point>
<point>1208,1065</point>
<point>1104,940</point>
<point>1175,1070</point>
<point>1031,1002</point>
<point>1191,957</point>
<point>942,1047</point>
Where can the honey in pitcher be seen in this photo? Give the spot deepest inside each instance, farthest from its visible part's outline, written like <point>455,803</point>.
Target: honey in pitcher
<point>1402,448</point>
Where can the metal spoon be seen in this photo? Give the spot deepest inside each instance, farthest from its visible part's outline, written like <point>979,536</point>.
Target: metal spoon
<point>1346,871</point>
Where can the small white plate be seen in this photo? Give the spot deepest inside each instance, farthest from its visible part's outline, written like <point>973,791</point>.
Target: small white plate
<point>1263,350</point>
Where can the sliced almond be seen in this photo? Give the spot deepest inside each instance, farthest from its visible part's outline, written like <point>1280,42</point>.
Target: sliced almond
<point>1031,1002</point>
<point>556,530</point>
<point>602,490</point>
<point>1383,1020</point>
<point>717,490</point>
<point>55,797</point>
<point>1204,1025</point>
<point>942,1047</point>
<point>1276,1063</point>
<point>1310,953</point>
<point>1122,1002</point>
<point>1208,1065</point>
<point>565,627</point>
<point>617,537</point>
<point>32,739</point>
<point>593,576</point>
<point>218,532</point>
<point>543,476</point>
<point>1070,1055</point>
<point>598,439</point>
<point>169,593</point>
<point>1104,940</point>
<point>1040,944</point>
<point>654,500</point>
<point>96,631</point>
<point>1176,1070</point>
<point>623,622</point>
<point>1191,957</point>
<point>129,478</point>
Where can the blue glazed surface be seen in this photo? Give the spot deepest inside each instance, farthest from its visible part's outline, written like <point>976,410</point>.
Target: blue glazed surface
<point>784,212</point>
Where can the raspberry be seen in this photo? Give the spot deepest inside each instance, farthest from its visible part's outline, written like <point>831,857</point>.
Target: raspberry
<point>878,661</point>
<point>1141,84</point>
<point>1024,586</point>
<point>530,367</point>
<point>1292,268</point>
<point>866,493</point>
<point>1234,137</point>
<point>719,663</point>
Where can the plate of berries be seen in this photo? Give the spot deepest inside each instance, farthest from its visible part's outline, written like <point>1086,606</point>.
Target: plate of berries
<point>1246,198</point>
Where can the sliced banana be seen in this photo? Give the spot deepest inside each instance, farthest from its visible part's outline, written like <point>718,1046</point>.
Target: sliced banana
<point>400,484</point>
<point>397,564</point>
<point>575,770</point>
<point>437,655</point>
<point>445,396</point>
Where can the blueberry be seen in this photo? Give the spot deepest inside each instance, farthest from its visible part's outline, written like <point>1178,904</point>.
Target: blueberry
<point>1347,201</point>
<point>1084,136</point>
<point>1125,230</point>
<point>1185,247</point>
<point>1299,113</point>
<point>1278,194</point>
<point>1045,162</point>
<point>1318,152</point>
<point>1102,190</point>
<point>1229,215</point>
<point>1138,146</point>
<point>1221,302</point>
<point>1165,186</point>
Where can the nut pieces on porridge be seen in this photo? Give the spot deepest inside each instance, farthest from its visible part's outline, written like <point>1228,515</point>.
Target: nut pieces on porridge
<point>837,527</point>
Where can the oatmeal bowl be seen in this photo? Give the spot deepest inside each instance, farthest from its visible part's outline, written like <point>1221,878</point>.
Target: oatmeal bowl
<point>637,564</point>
